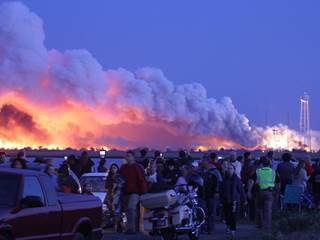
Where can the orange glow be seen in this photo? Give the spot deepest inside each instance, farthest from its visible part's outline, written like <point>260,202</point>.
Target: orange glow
<point>77,125</point>
<point>201,148</point>
<point>282,138</point>
<point>56,126</point>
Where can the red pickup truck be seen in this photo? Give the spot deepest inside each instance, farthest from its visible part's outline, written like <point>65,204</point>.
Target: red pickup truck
<point>30,208</point>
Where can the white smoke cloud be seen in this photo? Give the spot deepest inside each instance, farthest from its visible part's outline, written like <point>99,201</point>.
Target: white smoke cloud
<point>22,54</point>
<point>184,107</point>
<point>24,60</point>
<point>76,74</point>
<point>27,66</point>
<point>315,140</point>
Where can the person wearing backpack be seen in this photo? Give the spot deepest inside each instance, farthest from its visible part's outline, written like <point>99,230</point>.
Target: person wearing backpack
<point>209,199</point>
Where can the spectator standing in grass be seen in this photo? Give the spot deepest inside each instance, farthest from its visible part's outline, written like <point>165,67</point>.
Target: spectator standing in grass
<point>308,166</point>
<point>315,185</point>
<point>265,180</point>
<point>247,172</point>
<point>285,170</point>
<point>300,176</point>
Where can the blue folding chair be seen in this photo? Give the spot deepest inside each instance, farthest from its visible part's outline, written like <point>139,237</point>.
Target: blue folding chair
<point>307,200</point>
<point>292,196</point>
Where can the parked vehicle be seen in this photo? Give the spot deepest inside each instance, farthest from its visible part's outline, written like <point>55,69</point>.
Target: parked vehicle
<point>171,213</point>
<point>95,183</point>
<point>30,208</point>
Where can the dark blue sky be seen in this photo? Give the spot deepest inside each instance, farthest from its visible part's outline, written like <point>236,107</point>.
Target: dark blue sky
<point>263,54</point>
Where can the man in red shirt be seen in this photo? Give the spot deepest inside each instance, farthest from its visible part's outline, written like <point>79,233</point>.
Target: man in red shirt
<point>135,184</point>
<point>308,166</point>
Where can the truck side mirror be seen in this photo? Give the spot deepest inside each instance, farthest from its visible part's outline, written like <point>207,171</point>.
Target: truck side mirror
<point>31,202</point>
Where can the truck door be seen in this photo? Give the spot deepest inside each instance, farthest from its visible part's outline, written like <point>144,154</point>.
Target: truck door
<point>33,221</point>
<point>54,210</point>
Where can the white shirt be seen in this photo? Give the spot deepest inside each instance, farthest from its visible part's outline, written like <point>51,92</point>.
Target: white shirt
<point>238,167</point>
<point>301,179</point>
<point>152,178</point>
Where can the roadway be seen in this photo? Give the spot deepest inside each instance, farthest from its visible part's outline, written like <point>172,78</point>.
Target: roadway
<point>243,232</point>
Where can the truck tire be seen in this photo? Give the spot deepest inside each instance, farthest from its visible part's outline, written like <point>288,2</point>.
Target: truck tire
<point>168,234</point>
<point>194,235</point>
<point>77,236</point>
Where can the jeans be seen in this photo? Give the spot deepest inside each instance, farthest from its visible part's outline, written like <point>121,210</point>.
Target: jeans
<point>265,201</point>
<point>230,216</point>
<point>210,207</point>
<point>252,209</point>
<point>131,209</point>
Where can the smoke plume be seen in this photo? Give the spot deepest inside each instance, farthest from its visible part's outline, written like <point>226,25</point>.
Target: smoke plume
<point>72,101</point>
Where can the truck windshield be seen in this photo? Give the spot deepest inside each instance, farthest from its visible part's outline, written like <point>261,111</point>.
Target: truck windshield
<point>8,190</point>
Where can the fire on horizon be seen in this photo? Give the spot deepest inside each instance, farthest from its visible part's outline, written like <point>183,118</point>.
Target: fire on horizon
<point>65,99</point>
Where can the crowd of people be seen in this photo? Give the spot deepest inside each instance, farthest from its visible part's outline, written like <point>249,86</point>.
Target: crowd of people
<point>232,186</point>
<point>65,178</point>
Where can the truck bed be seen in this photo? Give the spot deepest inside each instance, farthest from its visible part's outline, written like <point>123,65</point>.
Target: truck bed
<point>67,198</point>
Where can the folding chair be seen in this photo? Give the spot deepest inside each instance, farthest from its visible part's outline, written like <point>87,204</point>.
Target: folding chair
<point>292,196</point>
<point>307,200</point>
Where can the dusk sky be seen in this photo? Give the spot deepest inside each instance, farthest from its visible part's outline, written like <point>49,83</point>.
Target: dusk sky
<point>262,54</point>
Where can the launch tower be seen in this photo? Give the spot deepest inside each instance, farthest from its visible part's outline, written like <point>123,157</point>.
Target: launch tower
<point>304,123</point>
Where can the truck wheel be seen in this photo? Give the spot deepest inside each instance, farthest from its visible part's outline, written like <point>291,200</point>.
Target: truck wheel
<point>194,235</point>
<point>168,234</point>
<point>77,236</point>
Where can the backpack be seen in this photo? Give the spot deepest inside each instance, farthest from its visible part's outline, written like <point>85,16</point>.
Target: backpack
<point>210,184</point>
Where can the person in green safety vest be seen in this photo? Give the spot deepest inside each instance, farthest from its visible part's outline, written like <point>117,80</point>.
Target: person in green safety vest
<point>265,180</point>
